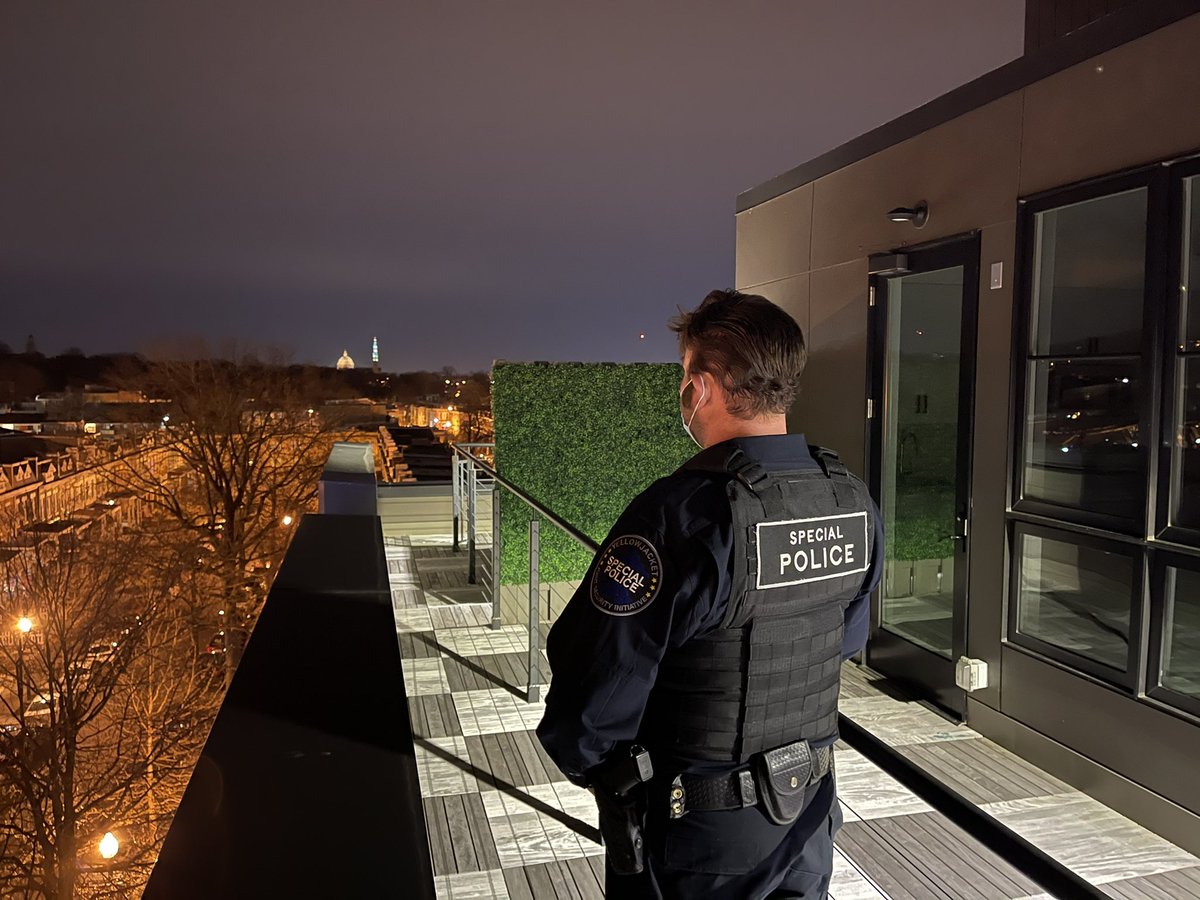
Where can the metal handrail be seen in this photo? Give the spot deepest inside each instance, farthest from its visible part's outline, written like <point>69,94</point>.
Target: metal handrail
<point>464,459</point>
<point>543,511</point>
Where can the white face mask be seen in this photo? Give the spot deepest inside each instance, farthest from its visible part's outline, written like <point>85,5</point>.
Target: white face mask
<point>687,423</point>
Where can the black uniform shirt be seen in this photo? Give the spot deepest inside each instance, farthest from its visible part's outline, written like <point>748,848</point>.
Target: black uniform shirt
<point>670,556</point>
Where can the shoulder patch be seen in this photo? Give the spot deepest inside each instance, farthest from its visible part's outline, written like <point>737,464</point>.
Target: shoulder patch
<point>627,576</point>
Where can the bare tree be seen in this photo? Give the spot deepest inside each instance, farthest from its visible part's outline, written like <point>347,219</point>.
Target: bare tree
<point>250,449</point>
<point>106,704</point>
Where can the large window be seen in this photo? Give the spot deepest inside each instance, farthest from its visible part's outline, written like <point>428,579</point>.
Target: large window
<point>1180,670</point>
<point>1105,521</point>
<point>1075,597</point>
<point>1185,457</point>
<point>1084,379</point>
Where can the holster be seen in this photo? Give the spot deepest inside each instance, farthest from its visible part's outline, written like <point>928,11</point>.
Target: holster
<point>621,822</point>
<point>620,788</point>
<point>782,778</point>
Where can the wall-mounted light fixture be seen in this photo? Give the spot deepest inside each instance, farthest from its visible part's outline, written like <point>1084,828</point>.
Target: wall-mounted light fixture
<point>918,214</point>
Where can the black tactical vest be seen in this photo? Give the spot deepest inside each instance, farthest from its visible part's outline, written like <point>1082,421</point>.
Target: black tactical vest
<point>802,544</point>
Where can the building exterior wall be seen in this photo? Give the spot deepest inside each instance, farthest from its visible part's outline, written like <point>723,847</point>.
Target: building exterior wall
<point>808,250</point>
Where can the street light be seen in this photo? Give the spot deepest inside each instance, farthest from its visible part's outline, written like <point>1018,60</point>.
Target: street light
<point>287,520</point>
<point>109,845</point>
<point>24,624</point>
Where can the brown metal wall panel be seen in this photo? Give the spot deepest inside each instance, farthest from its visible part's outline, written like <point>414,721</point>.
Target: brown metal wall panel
<point>831,409</point>
<point>966,170</point>
<point>990,454</point>
<point>793,295</point>
<point>1132,105</point>
<point>773,238</point>
<point>1153,749</point>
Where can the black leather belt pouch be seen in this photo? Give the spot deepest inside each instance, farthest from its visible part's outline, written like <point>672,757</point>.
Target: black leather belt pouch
<point>782,777</point>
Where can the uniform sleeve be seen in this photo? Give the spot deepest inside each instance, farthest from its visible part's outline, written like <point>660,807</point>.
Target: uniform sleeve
<point>858,613</point>
<point>645,591</point>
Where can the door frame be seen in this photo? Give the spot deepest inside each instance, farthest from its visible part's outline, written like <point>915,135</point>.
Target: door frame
<point>888,652</point>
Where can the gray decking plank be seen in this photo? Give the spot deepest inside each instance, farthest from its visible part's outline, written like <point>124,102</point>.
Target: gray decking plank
<point>1179,884</point>
<point>895,874</point>
<point>589,885</point>
<point>981,772</point>
<point>477,755</point>
<point>928,856</point>
<point>541,885</point>
<point>597,864</point>
<point>518,885</point>
<point>481,832</point>
<point>497,760</point>
<point>516,764</point>
<point>416,716</point>
<point>439,848</point>
<point>946,858</point>
<point>459,831</point>
<point>523,742</point>
<point>1009,880</point>
<point>563,880</point>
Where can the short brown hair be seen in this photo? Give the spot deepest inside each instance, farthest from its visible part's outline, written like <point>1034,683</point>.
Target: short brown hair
<point>754,348</point>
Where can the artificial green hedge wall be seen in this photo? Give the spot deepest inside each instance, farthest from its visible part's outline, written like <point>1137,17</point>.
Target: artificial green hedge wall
<point>583,439</point>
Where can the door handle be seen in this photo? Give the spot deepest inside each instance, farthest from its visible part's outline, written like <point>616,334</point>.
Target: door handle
<point>964,529</point>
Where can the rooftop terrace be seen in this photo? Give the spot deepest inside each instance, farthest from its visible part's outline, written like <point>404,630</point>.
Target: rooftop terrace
<point>378,741</point>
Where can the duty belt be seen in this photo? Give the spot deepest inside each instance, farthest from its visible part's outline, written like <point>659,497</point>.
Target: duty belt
<point>736,789</point>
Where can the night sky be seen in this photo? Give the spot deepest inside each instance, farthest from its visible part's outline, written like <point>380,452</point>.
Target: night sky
<point>468,180</point>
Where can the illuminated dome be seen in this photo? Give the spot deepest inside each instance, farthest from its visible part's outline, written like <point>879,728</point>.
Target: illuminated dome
<point>345,362</point>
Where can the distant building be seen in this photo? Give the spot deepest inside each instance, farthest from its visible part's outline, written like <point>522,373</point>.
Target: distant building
<point>345,362</point>
<point>375,355</point>
<point>98,393</point>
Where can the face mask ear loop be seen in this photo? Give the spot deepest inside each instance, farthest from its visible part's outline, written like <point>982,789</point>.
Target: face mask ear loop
<point>696,408</point>
<point>687,426</point>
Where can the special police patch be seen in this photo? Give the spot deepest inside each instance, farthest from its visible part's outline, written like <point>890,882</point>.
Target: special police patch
<point>800,551</point>
<point>627,576</point>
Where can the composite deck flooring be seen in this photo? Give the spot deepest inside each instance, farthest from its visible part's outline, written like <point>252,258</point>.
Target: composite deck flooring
<point>504,823</point>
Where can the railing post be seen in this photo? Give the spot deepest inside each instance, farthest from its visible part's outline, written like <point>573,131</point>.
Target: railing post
<point>471,524</point>
<point>455,477</point>
<point>495,556</point>
<point>532,692</point>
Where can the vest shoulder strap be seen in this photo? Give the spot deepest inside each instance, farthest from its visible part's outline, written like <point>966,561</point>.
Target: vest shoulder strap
<point>731,461</point>
<point>835,470</point>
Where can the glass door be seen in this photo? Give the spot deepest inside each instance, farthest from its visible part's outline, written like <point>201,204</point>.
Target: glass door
<point>923,334</point>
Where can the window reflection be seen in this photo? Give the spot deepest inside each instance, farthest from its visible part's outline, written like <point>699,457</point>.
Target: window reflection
<point>1185,462</point>
<point>1090,276</point>
<point>1190,282</point>
<point>1076,598</point>
<point>1082,440</point>
<point>1181,633</point>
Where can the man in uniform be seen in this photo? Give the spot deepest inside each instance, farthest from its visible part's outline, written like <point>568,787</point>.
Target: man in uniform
<point>697,666</point>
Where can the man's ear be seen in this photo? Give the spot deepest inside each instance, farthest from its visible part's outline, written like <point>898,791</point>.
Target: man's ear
<point>710,388</point>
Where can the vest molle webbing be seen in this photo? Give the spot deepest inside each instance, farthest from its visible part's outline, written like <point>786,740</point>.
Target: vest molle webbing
<point>770,674</point>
